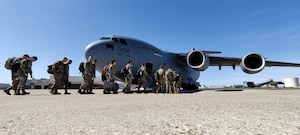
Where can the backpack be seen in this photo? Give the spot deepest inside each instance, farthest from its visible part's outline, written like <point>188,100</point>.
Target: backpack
<point>81,67</point>
<point>104,73</point>
<point>15,66</point>
<point>170,76</point>
<point>124,71</point>
<point>105,70</point>
<point>140,73</point>
<point>177,78</point>
<point>9,63</point>
<point>50,69</point>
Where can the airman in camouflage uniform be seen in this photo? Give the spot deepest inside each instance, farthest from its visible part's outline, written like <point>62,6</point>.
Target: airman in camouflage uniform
<point>25,69</point>
<point>93,76</point>
<point>14,76</point>
<point>170,80</point>
<point>109,76</point>
<point>128,77</point>
<point>87,77</point>
<point>142,77</point>
<point>177,82</point>
<point>65,77</point>
<point>159,77</point>
<point>58,71</point>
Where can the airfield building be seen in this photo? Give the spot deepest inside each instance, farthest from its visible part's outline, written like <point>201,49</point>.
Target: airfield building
<point>291,82</point>
<point>75,82</point>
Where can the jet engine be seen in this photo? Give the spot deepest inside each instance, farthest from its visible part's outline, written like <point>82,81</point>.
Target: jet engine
<point>252,63</point>
<point>198,60</point>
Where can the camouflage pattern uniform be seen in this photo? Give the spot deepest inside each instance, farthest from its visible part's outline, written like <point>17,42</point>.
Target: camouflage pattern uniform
<point>14,78</point>
<point>65,77</point>
<point>93,71</point>
<point>142,77</point>
<point>170,81</point>
<point>128,78</point>
<point>58,71</point>
<point>87,78</point>
<point>25,69</point>
<point>177,83</point>
<point>159,77</point>
<point>111,74</point>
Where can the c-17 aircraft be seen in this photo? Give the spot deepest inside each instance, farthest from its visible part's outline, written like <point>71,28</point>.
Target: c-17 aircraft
<point>188,65</point>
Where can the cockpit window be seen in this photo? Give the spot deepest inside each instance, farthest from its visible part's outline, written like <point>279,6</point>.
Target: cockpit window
<point>123,41</point>
<point>115,39</point>
<point>110,46</point>
<point>105,38</point>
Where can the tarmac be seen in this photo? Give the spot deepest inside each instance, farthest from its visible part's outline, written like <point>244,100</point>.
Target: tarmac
<point>207,112</point>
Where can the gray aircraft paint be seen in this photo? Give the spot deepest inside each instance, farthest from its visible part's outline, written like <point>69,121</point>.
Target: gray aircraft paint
<point>123,48</point>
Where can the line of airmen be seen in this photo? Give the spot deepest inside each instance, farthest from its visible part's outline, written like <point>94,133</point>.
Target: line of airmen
<point>165,81</point>
<point>61,76</point>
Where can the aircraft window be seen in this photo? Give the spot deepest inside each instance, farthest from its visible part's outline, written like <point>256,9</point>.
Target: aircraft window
<point>115,39</point>
<point>110,46</point>
<point>123,41</point>
<point>105,38</point>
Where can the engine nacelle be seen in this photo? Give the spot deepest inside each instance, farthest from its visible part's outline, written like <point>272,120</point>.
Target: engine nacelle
<point>197,60</point>
<point>252,63</point>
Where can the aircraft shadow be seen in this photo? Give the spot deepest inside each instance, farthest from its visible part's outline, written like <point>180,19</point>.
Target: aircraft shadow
<point>229,90</point>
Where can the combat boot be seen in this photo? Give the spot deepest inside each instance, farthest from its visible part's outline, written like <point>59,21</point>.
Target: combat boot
<point>7,91</point>
<point>79,91</point>
<point>90,92</point>
<point>24,92</point>
<point>66,92</point>
<point>17,92</point>
<point>56,93</point>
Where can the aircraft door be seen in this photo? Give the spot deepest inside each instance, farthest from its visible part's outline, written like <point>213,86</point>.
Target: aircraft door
<point>149,70</point>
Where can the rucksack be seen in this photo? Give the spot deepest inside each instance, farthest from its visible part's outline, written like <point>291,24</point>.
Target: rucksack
<point>105,70</point>
<point>81,67</point>
<point>170,76</point>
<point>104,73</point>
<point>9,62</point>
<point>124,71</point>
<point>50,69</point>
<point>140,73</point>
<point>15,66</point>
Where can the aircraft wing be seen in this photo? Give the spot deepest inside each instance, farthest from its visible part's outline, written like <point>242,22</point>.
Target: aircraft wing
<point>224,61</point>
<point>282,64</point>
<point>251,63</point>
<point>228,61</point>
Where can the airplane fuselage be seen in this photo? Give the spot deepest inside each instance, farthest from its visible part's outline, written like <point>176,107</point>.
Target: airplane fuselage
<point>122,49</point>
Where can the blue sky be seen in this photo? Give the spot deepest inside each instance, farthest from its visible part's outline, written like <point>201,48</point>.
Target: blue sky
<point>57,28</point>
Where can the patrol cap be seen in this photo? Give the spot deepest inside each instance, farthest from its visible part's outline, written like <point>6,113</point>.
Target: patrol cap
<point>34,58</point>
<point>26,55</point>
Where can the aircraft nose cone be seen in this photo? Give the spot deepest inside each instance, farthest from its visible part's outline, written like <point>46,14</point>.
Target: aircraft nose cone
<point>91,49</point>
